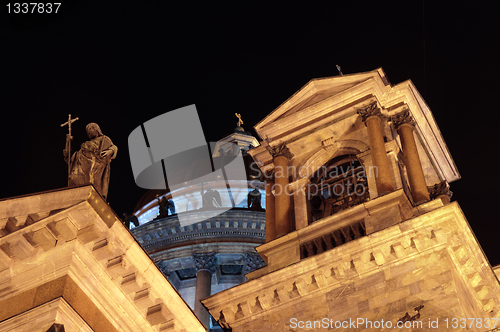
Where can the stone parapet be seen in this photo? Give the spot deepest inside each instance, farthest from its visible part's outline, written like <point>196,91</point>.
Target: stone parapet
<point>82,253</point>
<point>431,262</point>
<point>238,225</point>
<point>337,229</point>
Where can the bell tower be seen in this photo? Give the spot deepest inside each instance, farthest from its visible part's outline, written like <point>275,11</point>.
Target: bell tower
<point>350,142</point>
<point>359,224</point>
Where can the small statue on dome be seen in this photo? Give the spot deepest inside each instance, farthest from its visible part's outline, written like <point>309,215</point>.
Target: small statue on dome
<point>253,199</point>
<point>211,198</point>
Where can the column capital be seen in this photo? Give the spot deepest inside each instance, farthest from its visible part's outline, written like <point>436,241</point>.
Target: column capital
<point>440,189</point>
<point>280,150</point>
<point>402,118</point>
<point>205,261</point>
<point>254,262</point>
<point>368,111</point>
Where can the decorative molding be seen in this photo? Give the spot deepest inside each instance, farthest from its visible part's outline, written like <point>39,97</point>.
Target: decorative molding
<point>281,150</point>
<point>441,188</point>
<point>267,174</point>
<point>254,262</point>
<point>205,261</point>
<point>368,111</point>
<point>315,162</point>
<point>401,118</point>
<point>233,223</point>
<point>102,248</point>
<point>429,241</point>
<point>330,144</point>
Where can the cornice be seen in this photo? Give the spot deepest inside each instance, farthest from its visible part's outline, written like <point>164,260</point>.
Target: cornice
<point>99,255</point>
<point>441,229</point>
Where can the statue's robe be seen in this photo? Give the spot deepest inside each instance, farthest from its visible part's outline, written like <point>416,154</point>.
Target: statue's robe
<point>87,165</point>
<point>253,199</point>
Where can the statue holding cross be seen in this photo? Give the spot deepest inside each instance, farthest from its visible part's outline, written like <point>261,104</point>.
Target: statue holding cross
<point>90,164</point>
<point>69,138</point>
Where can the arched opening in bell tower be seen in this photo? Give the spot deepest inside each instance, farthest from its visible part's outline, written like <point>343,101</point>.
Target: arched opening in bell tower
<point>337,185</point>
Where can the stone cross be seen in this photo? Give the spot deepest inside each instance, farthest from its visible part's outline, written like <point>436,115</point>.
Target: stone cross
<point>68,141</point>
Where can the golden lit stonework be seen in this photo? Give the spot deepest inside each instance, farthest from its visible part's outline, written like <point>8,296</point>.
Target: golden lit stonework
<point>368,247</point>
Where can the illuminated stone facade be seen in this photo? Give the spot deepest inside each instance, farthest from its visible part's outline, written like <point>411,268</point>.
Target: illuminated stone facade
<point>207,249</point>
<point>365,231</point>
<point>359,232</point>
<point>68,264</point>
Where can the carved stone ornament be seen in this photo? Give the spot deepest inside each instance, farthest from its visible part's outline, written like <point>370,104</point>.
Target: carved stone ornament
<point>281,150</point>
<point>402,118</point>
<point>268,175</point>
<point>442,188</point>
<point>205,261</point>
<point>369,110</point>
<point>254,262</point>
<point>223,324</point>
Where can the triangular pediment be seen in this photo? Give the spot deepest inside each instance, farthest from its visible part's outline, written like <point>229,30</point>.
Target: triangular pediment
<point>317,90</point>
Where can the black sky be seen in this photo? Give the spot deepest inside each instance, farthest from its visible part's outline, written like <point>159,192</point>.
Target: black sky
<point>121,63</point>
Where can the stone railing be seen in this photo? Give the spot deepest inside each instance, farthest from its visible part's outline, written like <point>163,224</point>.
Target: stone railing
<point>236,223</point>
<point>333,239</point>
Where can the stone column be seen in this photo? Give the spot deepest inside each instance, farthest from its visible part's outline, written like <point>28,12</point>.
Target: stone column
<point>404,124</point>
<point>270,210</point>
<point>205,264</point>
<point>442,191</point>
<point>371,117</point>
<point>281,155</point>
<point>301,207</point>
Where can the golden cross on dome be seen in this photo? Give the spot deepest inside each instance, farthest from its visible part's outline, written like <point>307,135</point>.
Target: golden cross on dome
<point>240,122</point>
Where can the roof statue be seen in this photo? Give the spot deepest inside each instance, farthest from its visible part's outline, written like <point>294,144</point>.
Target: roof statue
<point>254,199</point>
<point>211,198</point>
<point>91,164</point>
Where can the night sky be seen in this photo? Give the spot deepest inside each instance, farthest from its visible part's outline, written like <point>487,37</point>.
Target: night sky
<point>121,63</point>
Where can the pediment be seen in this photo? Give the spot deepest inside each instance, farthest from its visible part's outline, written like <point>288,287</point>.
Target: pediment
<point>317,90</point>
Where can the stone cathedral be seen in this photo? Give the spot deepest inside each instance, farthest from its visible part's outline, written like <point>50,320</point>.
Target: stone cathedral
<point>344,222</point>
<point>360,231</point>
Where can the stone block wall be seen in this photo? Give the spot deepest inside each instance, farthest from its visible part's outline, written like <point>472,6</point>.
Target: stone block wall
<point>427,272</point>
